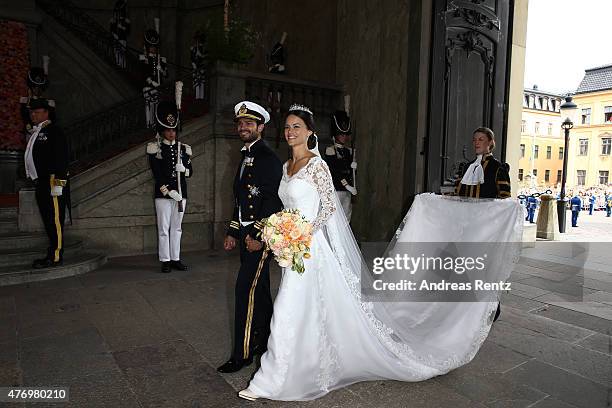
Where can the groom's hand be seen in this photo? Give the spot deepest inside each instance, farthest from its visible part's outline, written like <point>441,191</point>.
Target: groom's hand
<point>252,245</point>
<point>229,243</point>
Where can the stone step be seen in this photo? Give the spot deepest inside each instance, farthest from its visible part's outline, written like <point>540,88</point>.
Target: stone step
<point>81,264</point>
<point>22,241</point>
<point>16,256</point>
<point>9,213</point>
<point>8,226</point>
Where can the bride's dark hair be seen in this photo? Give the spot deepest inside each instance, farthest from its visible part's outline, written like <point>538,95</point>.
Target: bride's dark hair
<point>308,119</point>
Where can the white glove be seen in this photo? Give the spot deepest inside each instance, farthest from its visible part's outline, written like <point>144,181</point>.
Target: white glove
<point>56,191</point>
<point>175,195</point>
<point>348,187</point>
<point>179,167</point>
<point>354,165</point>
<point>351,189</point>
<point>164,190</point>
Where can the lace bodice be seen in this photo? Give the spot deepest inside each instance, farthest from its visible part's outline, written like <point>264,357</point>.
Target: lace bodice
<point>310,190</point>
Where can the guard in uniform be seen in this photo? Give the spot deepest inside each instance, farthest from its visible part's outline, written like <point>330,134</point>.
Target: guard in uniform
<point>341,161</point>
<point>199,58</point>
<point>532,204</point>
<point>592,200</point>
<point>46,164</point>
<point>170,161</point>
<point>576,206</point>
<point>120,28</point>
<point>38,81</point>
<point>255,198</point>
<point>277,57</point>
<point>155,70</point>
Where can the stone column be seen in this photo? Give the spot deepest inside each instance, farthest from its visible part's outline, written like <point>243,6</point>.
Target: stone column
<point>548,227</point>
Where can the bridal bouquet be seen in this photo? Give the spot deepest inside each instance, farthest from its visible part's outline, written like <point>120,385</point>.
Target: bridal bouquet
<point>287,234</point>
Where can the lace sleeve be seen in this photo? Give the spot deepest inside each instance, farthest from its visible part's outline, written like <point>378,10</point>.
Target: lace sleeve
<point>321,177</point>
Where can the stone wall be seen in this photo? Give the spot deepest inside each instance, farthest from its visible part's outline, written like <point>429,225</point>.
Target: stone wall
<point>14,65</point>
<point>310,48</point>
<point>379,62</point>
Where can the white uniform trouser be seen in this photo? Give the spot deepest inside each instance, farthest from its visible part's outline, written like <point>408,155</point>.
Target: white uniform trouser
<point>169,230</point>
<point>345,200</point>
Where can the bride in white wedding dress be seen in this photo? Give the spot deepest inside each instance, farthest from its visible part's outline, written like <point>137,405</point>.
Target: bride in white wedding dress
<point>323,335</point>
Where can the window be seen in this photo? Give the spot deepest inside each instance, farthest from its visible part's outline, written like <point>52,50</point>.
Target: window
<point>550,129</point>
<point>584,147</point>
<point>603,176</point>
<point>559,172</point>
<point>523,126</point>
<point>536,150</point>
<point>523,150</point>
<point>586,116</point>
<point>581,175</point>
<point>560,153</point>
<point>537,128</point>
<point>549,152</point>
<point>520,174</point>
<point>547,176</point>
<point>534,172</point>
<point>606,142</point>
<point>608,114</point>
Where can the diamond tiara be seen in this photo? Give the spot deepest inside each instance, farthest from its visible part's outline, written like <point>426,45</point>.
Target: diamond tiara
<point>298,107</point>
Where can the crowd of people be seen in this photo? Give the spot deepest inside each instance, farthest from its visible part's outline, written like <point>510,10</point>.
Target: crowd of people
<point>595,198</point>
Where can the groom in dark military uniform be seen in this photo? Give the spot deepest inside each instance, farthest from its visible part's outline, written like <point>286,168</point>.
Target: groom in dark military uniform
<point>255,198</point>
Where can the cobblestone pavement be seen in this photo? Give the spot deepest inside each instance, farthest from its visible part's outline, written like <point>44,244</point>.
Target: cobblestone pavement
<point>127,336</point>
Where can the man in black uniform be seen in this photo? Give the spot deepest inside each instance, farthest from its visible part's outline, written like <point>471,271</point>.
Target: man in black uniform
<point>46,164</point>
<point>170,162</point>
<point>340,159</point>
<point>154,69</point>
<point>120,28</point>
<point>255,198</point>
<point>199,57</point>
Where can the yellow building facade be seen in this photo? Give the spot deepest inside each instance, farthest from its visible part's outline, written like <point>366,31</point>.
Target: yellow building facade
<point>541,147</point>
<point>590,161</point>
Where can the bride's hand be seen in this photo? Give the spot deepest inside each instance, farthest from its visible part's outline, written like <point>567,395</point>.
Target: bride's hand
<point>252,245</point>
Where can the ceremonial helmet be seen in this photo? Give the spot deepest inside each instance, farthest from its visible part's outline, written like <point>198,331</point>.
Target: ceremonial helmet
<point>167,115</point>
<point>151,37</point>
<point>120,6</point>
<point>341,123</point>
<point>37,78</point>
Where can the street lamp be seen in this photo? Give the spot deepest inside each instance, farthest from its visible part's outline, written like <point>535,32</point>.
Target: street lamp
<point>567,109</point>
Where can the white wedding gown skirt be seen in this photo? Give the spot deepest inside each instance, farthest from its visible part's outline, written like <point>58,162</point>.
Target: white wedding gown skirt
<point>323,336</point>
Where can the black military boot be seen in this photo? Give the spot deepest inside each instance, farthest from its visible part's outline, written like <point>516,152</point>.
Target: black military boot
<point>165,267</point>
<point>497,312</point>
<point>46,263</point>
<point>233,365</point>
<point>178,265</point>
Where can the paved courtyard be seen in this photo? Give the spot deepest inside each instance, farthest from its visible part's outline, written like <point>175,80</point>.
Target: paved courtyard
<point>127,336</point>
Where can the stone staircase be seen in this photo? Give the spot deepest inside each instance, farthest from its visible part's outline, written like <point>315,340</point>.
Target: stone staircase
<point>19,249</point>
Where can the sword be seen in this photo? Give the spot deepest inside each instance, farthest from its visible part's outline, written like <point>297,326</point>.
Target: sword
<point>178,92</point>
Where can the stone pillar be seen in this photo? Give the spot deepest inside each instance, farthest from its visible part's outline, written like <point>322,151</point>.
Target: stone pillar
<point>548,227</point>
